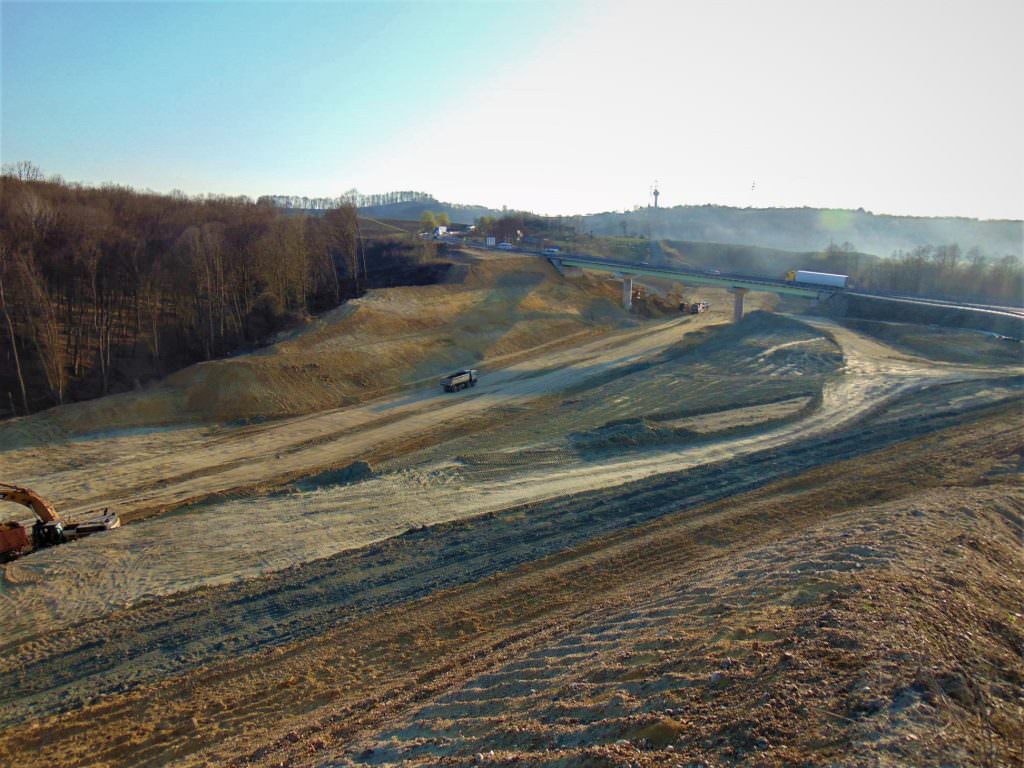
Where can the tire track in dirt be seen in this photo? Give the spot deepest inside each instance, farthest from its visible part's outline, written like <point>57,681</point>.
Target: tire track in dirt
<point>181,632</point>
<point>278,533</point>
<point>255,455</point>
<point>655,671</point>
<point>356,680</point>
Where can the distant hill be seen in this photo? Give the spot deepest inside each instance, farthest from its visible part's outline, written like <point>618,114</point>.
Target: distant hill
<point>403,205</point>
<point>789,229</point>
<point>746,259</point>
<point>413,209</point>
<point>810,229</point>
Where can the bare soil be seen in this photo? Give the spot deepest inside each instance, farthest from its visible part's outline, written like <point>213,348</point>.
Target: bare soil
<point>673,542</point>
<point>388,339</point>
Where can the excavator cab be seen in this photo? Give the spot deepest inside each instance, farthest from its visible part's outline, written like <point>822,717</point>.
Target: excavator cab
<point>47,534</point>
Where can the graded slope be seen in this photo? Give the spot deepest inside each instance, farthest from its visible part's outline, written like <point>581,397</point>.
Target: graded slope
<point>533,462</point>
<point>490,309</point>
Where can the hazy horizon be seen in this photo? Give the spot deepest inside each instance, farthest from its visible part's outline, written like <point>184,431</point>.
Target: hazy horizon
<point>472,204</point>
<point>559,108</point>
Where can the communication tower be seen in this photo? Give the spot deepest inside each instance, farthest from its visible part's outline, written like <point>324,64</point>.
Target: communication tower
<point>655,193</point>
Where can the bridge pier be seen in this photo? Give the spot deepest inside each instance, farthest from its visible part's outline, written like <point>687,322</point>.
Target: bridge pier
<point>737,304</point>
<point>627,293</point>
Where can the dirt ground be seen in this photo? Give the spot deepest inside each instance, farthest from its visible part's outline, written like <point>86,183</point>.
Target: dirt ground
<point>666,542</point>
<point>488,311</point>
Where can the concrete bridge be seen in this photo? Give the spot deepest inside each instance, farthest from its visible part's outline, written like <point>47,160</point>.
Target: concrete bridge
<point>1004,321</point>
<point>737,285</point>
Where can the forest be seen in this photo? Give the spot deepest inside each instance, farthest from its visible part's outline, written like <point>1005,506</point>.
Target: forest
<point>104,289</point>
<point>352,197</point>
<point>934,271</point>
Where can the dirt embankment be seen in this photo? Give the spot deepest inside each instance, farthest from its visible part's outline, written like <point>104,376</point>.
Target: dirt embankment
<point>948,344</point>
<point>920,311</point>
<point>425,579</point>
<point>387,339</point>
<point>865,612</point>
<point>546,448</point>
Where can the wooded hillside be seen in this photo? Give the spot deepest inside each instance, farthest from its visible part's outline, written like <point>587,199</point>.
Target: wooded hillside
<point>104,289</point>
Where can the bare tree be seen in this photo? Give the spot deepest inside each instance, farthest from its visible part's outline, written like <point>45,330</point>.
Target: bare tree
<point>44,327</point>
<point>4,266</point>
<point>23,170</point>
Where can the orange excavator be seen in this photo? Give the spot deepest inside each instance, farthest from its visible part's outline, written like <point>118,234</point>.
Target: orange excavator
<point>49,529</point>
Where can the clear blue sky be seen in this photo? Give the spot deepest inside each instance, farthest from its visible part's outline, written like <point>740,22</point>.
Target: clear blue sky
<point>903,107</point>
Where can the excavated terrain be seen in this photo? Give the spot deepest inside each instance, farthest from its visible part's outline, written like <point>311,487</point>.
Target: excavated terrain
<point>673,541</point>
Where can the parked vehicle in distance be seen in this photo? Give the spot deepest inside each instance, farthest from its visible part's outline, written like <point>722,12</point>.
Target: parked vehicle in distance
<point>802,276</point>
<point>693,308</point>
<point>553,251</point>
<point>453,382</point>
<point>503,246</point>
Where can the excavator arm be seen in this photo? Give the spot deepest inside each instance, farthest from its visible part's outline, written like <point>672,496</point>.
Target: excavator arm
<point>42,509</point>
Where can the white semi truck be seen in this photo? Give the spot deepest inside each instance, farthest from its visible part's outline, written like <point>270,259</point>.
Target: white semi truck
<point>817,278</point>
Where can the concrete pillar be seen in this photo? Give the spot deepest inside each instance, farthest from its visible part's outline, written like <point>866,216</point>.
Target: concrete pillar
<point>627,293</point>
<point>737,304</point>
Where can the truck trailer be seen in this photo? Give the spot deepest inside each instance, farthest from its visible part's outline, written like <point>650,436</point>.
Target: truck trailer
<point>803,276</point>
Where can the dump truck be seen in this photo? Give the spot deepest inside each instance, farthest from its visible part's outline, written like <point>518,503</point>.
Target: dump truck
<point>49,529</point>
<point>817,278</point>
<point>453,382</point>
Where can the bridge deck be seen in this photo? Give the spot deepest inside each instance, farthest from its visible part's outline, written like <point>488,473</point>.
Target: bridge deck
<point>629,269</point>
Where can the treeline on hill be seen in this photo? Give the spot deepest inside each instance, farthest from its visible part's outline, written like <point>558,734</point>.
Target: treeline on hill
<point>810,229</point>
<point>411,210</point>
<point>104,288</point>
<point>934,271</point>
<point>352,197</point>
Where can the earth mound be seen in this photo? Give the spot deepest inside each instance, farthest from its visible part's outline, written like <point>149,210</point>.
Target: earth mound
<point>491,310</point>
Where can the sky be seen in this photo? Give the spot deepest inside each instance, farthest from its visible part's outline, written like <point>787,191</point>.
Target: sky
<point>558,107</point>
